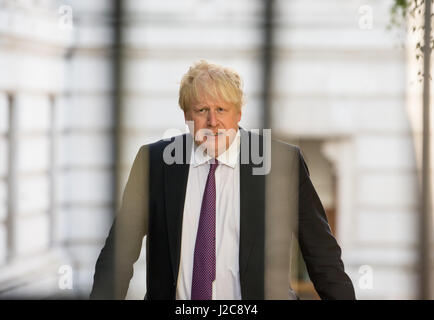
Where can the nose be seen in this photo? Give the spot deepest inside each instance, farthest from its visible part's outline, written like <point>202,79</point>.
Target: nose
<point>212,120</point>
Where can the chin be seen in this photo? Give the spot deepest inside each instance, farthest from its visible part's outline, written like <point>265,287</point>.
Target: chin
<point>214,148</point>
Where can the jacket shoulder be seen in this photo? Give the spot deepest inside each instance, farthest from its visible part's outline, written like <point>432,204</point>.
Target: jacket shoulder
<point>292,148</point>
<point>275,143</point>
<point>157,147</point>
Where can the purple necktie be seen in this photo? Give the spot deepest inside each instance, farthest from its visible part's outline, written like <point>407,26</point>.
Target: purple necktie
<point>204,251</point>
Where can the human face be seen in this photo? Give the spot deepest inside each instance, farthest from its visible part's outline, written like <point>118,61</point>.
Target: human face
<point>215,125</point>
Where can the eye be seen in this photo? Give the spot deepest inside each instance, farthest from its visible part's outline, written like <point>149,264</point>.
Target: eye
<point>220,109</point>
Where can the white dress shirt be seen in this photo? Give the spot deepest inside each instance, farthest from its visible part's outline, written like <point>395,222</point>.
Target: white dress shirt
<point>227,179</point>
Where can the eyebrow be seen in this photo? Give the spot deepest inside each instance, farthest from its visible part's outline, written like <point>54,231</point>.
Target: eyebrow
<point>200,107</point>
<point>220,105</point>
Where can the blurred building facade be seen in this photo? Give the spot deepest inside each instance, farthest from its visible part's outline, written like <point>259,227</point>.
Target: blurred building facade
<point>57,131</point>
<point>339,90</point>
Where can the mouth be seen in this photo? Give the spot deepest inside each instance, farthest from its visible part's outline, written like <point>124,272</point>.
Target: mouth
<point>214,134</point>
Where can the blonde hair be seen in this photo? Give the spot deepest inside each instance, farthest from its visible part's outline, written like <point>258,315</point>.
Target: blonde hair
<point>210,81</point>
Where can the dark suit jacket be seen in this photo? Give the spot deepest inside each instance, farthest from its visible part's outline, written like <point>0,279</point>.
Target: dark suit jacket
<point>153,203</point>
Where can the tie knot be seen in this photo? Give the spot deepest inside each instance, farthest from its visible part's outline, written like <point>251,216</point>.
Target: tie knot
<point>214,165</point>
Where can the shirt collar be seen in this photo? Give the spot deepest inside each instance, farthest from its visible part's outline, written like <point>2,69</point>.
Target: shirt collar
<point>229,157</point>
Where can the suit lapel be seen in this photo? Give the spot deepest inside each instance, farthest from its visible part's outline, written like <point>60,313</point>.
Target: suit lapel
<point>252,206</point>
<point>176,176</point>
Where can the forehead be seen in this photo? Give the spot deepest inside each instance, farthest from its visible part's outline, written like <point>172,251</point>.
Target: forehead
<point>213,103</point>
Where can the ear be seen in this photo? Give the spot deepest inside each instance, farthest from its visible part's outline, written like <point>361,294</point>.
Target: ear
<point>187,116</point>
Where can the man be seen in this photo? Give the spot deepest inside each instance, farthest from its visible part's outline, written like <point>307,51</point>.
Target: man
<point>201,200</point>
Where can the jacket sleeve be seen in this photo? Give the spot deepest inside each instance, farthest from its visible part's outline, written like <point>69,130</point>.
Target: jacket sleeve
<point>114,267</point>
<point>318,246</point>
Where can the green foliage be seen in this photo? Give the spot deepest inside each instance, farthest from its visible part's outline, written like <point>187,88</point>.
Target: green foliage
<point>400,10</point>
